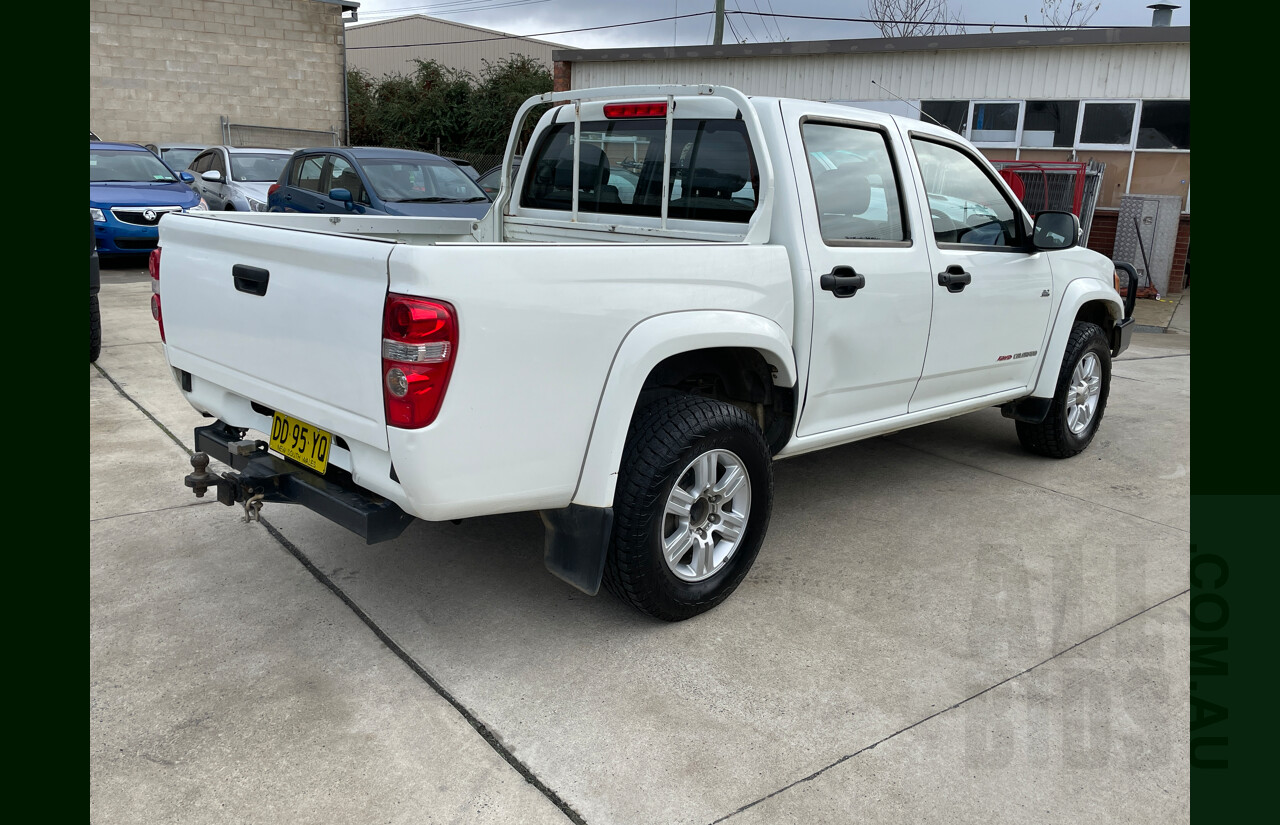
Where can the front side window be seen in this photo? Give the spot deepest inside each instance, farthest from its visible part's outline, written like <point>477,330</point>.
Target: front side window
<point>854,184</point>
<point>216,163</point>
<point>965,204</point>
<point>713,171</point>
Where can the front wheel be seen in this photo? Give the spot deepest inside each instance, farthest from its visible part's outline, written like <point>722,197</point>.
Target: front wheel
<point>694,494</point>
<point>1079,400</point>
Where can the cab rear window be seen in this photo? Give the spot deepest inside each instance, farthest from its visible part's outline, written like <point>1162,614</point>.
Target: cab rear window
<point>713,170</point>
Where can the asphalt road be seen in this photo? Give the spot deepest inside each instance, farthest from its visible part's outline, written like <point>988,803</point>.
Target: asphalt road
<point>939,628</point>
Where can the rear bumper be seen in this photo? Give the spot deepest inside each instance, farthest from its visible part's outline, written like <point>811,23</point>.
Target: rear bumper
<point>264,477</point>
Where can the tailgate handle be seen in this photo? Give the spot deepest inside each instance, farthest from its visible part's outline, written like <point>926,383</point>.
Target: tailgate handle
<point>250,279</point>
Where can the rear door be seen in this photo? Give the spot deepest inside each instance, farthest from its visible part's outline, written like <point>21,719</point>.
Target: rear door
<point>868,342</point>
<point>303,193</point>
<point>301,334</point>
<point>991,291</point>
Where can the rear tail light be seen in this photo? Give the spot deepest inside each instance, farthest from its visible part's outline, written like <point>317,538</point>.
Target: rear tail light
<point>419,342</point>
<point>153,267</point>
<point>272,189</point>
<point>612,110</point>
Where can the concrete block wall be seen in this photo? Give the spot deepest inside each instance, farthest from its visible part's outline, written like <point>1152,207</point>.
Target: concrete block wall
<point>167,70</point>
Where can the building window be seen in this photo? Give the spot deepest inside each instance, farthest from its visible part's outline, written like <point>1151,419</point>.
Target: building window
<point>1165,124</point>
<point>1107,124</point>
<point>952,114</point>
<point>1050,123</point>
<point>995,122</point>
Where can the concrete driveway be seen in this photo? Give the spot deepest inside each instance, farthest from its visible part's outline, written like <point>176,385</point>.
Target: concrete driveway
<point>940,628</point>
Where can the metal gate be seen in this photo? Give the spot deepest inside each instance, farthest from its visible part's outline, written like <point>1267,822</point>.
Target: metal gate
<point>275,137</point>
<point>1065,186</point>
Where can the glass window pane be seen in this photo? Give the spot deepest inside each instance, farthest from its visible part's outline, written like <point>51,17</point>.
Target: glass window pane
<point>966,206</point>
<point>995,122</point>
<point>1050,123</point>
<point>1165,124</point>
<point>1107,123</point>
<point>309,173</point>
<point>713,171</point>
<point>953,114</point>
<point>853,183</point>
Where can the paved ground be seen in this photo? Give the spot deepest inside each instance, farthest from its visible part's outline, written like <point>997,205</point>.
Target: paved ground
<point>939,628</point>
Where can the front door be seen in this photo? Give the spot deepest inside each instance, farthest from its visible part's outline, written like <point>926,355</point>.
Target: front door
<point>992,292</point>
<point>869,268</point>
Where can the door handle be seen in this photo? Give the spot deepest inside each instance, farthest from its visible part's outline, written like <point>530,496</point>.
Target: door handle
<point>954,278</point>
<point>842,282</point>
<point>250,279</point>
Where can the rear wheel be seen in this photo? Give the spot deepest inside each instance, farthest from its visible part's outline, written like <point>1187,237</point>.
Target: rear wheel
<point>1084,383</point>
<point>694,494</point>
<point>95,329</point>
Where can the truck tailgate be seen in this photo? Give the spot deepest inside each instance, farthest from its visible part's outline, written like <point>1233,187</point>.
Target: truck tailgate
<point>309,345</point>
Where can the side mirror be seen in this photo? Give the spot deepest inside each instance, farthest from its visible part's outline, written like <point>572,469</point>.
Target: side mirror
<point>213,175</point>
<point>1055,230</point>
<point>186,177</point>
<point>343,196</point>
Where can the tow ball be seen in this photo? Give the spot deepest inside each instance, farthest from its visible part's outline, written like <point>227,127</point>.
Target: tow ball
<point>232,487</point>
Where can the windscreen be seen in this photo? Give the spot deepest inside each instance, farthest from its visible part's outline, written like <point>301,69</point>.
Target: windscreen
<point>257,167</point>
<point>420,181</point>
<point>126,165</point>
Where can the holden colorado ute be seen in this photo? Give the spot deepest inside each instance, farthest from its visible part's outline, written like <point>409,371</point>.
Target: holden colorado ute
<point>680,285</point>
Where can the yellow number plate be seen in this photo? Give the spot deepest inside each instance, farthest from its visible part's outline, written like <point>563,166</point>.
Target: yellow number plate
<point>304,443</point>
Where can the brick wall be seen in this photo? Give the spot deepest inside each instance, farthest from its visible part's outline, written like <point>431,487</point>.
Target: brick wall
<point>1102,238</point>
<point>562,76</point>
<point>167,70</point>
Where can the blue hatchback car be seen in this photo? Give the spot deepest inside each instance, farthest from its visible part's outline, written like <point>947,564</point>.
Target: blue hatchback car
<point>361,180</point>
<point>130,190</point>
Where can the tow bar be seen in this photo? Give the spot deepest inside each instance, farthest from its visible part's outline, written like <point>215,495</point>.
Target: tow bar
<point>258,477</point>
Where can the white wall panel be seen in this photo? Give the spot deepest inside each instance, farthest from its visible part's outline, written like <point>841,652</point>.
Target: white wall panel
<point>1120,71</point>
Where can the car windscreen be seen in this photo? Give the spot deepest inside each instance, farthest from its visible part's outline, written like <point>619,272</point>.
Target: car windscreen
<point>126,165</point>
<point>419,181</point>
<point>179,158</point>
<point>246,166</point>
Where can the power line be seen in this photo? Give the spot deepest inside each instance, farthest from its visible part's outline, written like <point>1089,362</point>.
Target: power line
<point>1042,27</point>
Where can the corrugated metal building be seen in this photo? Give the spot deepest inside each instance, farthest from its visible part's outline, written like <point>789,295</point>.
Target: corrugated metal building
<point>391,46</point>
<point>1118,96</point>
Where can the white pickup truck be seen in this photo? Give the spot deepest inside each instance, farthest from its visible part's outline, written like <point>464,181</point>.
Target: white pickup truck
<point>678,286</point>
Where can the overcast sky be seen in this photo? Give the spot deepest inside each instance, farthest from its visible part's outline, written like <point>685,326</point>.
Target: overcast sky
<point>539,17</point>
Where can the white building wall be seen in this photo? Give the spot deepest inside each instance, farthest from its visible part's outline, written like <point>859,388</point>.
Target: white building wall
<point>1141,71</point>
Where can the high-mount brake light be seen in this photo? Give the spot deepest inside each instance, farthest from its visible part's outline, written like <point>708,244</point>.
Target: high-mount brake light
<point>153,267</point>
<point>419,339</point>
<point>615,110</point>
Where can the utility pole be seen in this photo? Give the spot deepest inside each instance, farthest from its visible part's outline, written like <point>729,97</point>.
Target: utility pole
<point>719,22</point>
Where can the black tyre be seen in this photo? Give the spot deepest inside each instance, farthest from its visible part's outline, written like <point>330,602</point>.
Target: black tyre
<point>95,329</point>
<point>1079,399</point>
<point>692,506</point>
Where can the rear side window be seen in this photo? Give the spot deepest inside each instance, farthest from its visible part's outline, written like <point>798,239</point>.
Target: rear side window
<point>306,173</point>
<point>713,170</point>
<point>854,184</point>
